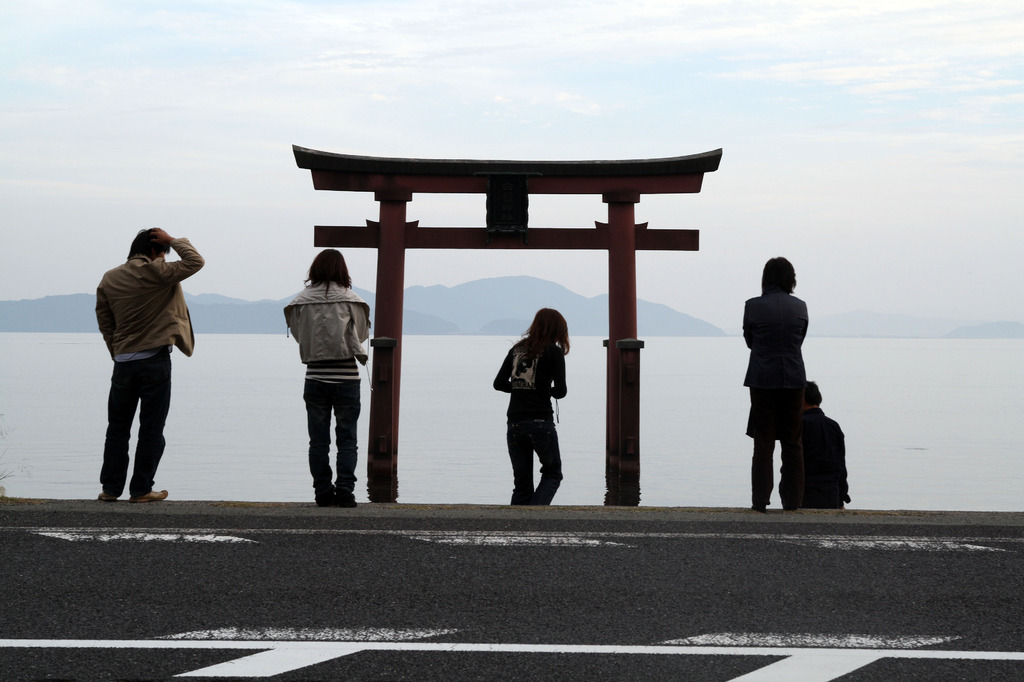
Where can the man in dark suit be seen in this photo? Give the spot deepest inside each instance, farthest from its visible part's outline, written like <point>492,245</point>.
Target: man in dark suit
<point>774,326</point>
<point>824,444</point>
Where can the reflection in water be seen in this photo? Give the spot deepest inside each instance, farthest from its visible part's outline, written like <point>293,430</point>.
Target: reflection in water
<point>622,491</point>
<point>385,490</point>
<point>622,481</point>
<point>382,478</point>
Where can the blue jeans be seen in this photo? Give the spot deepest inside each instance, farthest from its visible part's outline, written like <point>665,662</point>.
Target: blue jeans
<point>321,398</point>
<point>525,438</point>
<point>149,382</point>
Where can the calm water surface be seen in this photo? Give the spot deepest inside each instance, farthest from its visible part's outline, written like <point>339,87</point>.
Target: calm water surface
<point>930,424</point>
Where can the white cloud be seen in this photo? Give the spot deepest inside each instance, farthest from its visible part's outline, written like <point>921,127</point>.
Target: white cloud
<point>577,103</point>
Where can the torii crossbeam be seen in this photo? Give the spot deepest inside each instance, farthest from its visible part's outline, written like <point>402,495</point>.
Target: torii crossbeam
<point>507,185</point>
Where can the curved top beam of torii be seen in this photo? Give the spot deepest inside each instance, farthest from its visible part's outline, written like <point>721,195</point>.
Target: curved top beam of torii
<point>351,173</point>
<point>312,159</point>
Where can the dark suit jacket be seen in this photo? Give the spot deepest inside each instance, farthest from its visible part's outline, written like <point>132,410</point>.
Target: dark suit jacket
<point>825,484</point>
<point>774,326</point>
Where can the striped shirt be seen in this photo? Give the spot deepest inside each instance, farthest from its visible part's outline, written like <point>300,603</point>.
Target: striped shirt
<point>333,371</point>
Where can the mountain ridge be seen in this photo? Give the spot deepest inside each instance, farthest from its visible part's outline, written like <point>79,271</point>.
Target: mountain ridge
<point>502,306</point>
<point>496,306</point>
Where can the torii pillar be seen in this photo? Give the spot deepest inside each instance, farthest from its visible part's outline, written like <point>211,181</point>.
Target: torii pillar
<point>507,185</point>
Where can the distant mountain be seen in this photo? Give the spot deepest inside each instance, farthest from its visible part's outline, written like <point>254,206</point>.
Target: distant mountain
<point>501,306</point>
<point>866,324</point>
<point>214,299</point>
<point>989,330</point>
<point>69,313</point>
<point>216,314</point>
<point>211,314</point>
<point>506,305</point>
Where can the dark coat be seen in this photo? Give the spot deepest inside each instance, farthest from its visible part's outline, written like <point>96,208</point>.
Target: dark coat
<point>825,484</point>
<point>774,326</point>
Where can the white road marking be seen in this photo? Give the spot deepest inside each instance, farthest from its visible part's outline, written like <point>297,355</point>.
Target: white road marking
<point>84,535</point>
<point>808,640</point>
<point>275,658</point>
<point>311,634</point>
<point>922,545</point>
<point>569,539</point>
<point>274,662</point>
<point>511,539</point>
<point>812,666</point>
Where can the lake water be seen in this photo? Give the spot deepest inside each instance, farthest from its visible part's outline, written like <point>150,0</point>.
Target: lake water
<point>930,424</point>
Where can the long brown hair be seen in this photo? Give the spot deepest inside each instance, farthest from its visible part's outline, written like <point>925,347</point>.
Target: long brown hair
<point>329,266</point>
<point>548,327</point>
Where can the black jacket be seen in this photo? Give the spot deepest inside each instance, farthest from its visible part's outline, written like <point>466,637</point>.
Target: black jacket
<point>532,383</point>
<point>774,326</point>
<point>825,484</point>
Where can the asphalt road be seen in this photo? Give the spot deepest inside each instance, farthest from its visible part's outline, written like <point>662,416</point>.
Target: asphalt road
<point>100,591</point>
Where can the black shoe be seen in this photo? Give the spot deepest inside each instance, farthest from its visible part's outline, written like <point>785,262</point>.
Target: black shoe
<point>760,508</point>
<point>344,498</point>
<point>325,499</point>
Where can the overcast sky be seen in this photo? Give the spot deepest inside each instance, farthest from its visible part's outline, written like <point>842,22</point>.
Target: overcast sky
<point>877,145</point>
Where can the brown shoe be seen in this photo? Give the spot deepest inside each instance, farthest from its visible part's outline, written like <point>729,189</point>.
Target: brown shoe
<point>107,497</point>
<point>151,496</point>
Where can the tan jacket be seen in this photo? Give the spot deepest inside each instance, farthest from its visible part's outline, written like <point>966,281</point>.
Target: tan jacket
<point>140,305</point>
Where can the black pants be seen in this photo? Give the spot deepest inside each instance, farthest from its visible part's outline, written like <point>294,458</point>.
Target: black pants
<point>137,381</point>
<point>321,399</point>
<point>775,414</point>
<point>524,439</point>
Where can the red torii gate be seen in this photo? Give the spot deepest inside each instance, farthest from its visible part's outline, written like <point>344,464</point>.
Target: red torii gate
<point>507,185</point>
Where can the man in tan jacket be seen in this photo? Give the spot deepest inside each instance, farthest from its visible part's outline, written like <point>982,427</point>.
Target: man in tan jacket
<point>141,313</point>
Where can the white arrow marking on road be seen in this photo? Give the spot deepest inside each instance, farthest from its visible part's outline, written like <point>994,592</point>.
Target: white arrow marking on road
<point>511,539</point>
<point>925,545</point>
<point>274,662</point>
<point>279,661</point>
<point>274,658</point>
<point>808,640</point>
<point>508,538</point>
<point>312,634</point>
<point>812,666</point>
<point>92,536</point>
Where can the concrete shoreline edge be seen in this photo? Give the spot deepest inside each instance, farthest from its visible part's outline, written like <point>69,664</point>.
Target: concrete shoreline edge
<point>11,508</point>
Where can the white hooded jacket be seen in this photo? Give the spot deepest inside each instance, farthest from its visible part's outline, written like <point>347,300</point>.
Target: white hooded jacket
<point>329,323</point>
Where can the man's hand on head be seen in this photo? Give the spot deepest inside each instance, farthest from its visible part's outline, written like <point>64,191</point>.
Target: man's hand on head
<point>158,236</point>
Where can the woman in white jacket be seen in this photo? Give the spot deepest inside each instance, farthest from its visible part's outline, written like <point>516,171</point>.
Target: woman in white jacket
<point>330,322</point>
